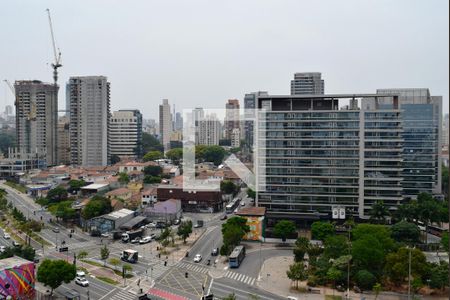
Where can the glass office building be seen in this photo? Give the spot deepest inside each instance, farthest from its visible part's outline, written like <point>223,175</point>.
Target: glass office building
<point>313,156</point>
<point>422,119</point>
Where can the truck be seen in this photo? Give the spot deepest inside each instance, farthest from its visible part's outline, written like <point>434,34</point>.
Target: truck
<point>130,235</point>
<point>129,255</point>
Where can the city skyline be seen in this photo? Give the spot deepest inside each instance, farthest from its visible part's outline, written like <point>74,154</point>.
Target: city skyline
<point>159,57</point>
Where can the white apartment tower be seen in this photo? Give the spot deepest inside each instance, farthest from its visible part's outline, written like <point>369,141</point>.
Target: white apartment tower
<point>126,133</point>
<point>165,124</point>
<point>208,130</point>
<point>89,120</point>
<point>37,118</point>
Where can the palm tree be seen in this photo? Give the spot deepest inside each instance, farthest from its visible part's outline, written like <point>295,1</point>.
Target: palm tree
<point>379,211</point>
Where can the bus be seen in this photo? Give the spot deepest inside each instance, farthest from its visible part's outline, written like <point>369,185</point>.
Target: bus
<point>232,206</point>
<point>130,256</point>
<point>236,257</point>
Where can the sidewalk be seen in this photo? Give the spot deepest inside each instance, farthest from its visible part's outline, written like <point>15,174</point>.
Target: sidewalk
<point>273,278</point>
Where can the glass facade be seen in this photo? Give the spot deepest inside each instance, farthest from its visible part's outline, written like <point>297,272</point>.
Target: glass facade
<point>311,159</point>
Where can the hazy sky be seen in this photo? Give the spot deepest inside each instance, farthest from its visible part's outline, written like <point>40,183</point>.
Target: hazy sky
<point>201,53</point>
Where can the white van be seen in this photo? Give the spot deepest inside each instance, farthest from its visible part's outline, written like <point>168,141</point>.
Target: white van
<point>81,274</point>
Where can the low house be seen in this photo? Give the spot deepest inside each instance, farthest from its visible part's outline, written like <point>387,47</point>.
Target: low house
<point>111,221</point>
<point>167,211</point>
<point>134,166</point>
<point>122,193</point>
<point>149,196</point>
<point>201,200</point>
<point>256,220</point>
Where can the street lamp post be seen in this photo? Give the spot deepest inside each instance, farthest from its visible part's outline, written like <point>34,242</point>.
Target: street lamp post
<point>409,274</point>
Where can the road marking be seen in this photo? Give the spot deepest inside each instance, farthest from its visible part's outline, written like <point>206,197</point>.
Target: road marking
<point>104,297</point>
<point>210,285</point>
<point>234,289</point>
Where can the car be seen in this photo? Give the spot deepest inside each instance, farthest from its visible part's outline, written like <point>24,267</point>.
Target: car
<point>151,225</point>
<point>81,281</point>
<point>2,249</point>
<point>176,222</point>
<point>135,240</point>
<point>153,235</point>
<point>215,252</point>
<point>197,258</point>
<point>145,240</point>
<point>55,229</point>
<point>224,217</point>
<point>15,244</point>
<point>105,235</point>
<point>242,203</point>
<point>236,210</point>
<point>6,236</point>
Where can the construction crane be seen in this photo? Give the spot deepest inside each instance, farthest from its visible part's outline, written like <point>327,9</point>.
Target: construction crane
<point>57,53</point>
<point>10,86</point>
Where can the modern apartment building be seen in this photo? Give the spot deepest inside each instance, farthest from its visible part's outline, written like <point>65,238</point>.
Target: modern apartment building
<point>249,109</point>
<point>445,132</point>
<point>231,117</point>
<point>208,130</point>
<point>63,140</point>
<point>422,134</point>
<point>89,120</point>
<point>37,118</point>
<point>309,83</point>
<point>313,157</point>
<point>236,138</point>
<point>126,133</point>
<point>165,124</point>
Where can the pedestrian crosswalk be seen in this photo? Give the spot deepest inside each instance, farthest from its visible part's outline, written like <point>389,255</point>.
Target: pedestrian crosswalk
<point>123,295</point>
<point>156,270</point>
<point>194,268</point>
<point>240,277</point>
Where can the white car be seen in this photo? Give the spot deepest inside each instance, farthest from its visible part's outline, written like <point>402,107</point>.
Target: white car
<point>81,281</point>
<point>197,258</point>
<point>6,236</point>
<point>15,244</point>
<point>2,249</point>
<point>135,240</point>
<point>145,240</point>
<point>242,203</point>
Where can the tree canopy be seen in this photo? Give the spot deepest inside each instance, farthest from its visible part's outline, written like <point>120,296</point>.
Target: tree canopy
<point>284,228</point>
<point>184,230</point>
<point>153,170</point>
<point>97,206</point>
<point>233,230</point>
<point>53,273</point>
<point>57,194</point>
<point>175,155</point>
<point>151,143</point>
<point>153,155</point>
<point>228,187</point>
<point>297,272</point>
<point>320,230</point>
<point>404,231</point>
<point>379,212</point>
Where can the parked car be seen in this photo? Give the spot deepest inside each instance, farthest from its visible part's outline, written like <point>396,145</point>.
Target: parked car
<point>15,244</point>
<point>135,240</point>
<point>242,203</point>
<point>2,249</point>
<point>55,229</point>
<point>105,235</point>
<point>197,258</point>
<point>176,222</point>
<point>151,225</point>
<point>6,236</point>
<point>215,252</point>
<point>81,281</point>
<point>145,240</point>
<point>153,236</point>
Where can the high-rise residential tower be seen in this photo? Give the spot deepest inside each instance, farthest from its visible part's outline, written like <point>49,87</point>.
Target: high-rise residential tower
<point>165,124</point>
<point>310,83</point>
<point>422,135</point>
<point>249,109</point>
<point>37,118</point>
<point>126,133</point>
<point>208,130</point>
<point>89,120</point>
<point>232,115</point>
